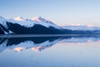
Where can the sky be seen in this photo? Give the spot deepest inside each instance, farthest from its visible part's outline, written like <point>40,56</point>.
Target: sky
<point>61,12</point>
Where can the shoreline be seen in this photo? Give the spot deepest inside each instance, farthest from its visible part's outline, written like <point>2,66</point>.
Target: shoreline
<point>48,35</point>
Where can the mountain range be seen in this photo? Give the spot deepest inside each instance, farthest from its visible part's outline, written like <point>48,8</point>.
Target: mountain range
<point>39,25</point>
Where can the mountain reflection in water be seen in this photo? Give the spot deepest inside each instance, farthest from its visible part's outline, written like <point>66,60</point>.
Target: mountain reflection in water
<point>41,43</point>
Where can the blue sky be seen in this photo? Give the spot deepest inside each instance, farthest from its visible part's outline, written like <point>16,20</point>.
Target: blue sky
<point>61,12</point>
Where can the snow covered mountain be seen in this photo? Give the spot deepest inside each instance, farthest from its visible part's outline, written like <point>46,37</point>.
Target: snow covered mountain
<point>32,22</point>
<point>39,25</point>
<point>18,25</point>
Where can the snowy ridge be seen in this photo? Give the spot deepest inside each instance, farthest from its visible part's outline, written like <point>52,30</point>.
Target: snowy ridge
<point>3,21</point>
<point>19,19</point>
<point>81,27</point>
<point>45,22</point>
<point>25,23</point>
<point>31,22</point>
<point>40,19</point>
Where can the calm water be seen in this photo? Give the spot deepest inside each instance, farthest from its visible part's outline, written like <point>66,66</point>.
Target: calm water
<point>77,51</point>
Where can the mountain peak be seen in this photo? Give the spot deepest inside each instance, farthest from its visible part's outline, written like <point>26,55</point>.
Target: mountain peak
<point>39,19</point>
<point>19,19</point>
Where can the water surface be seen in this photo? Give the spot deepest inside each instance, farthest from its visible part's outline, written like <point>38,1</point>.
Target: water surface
<point>65,51</point>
